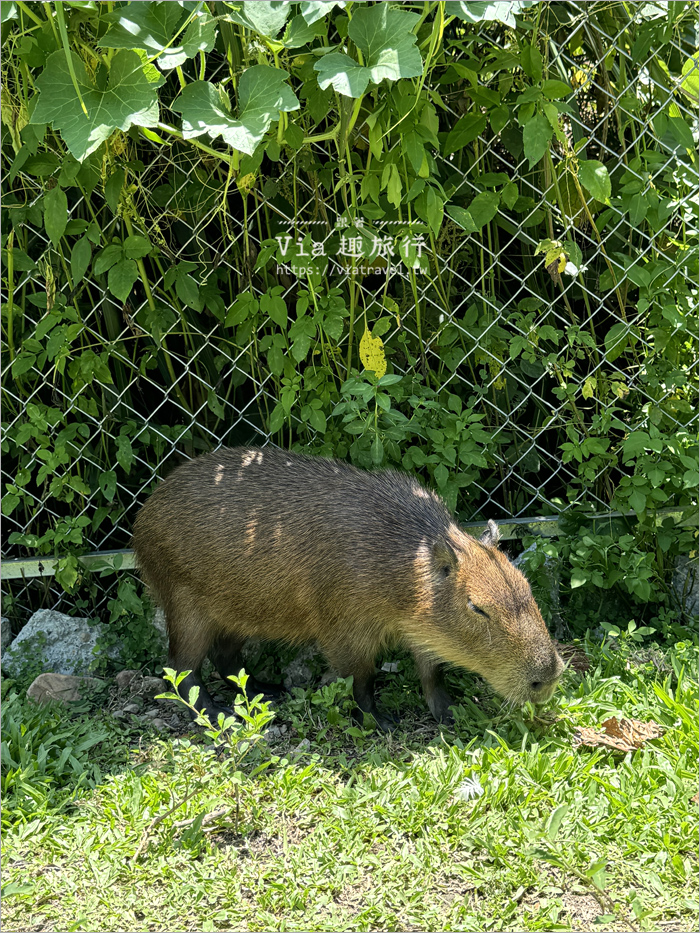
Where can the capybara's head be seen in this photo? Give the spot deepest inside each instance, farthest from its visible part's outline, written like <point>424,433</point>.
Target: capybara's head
<point>480,614</point>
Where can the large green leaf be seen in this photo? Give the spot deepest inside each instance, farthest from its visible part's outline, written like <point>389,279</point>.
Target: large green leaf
<point>475,11</point>
<point>536,136</point>
<point>262,93</point>
<point>385,38</point>
<point>128,99</point>
<point>262,16</point>
<point>55,214</point>
<point>465,130</point>
<point>462,216</point>
<point>483,209</point>
<point>121,278</point>
<point>594,176</point>
<point>690,83</point>
<point>316,10</point>
<point>152,26</point>
<point>9,11</point>
<point>344,73</point>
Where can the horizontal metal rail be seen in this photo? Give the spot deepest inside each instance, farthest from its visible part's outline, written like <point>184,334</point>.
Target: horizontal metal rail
<point>545,526</point>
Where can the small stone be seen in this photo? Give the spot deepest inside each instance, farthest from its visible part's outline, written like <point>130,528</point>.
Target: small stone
<point>132,708</point>
<point>120,714</point>
<point>152,685</point>
<point>151,714</point>
<point>302,747</point>
<point>65,688</point>
<point>175,722</point>
<point>124,678</point>
<point>160,724</point>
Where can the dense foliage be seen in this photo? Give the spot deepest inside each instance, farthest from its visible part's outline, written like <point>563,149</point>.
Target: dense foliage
<point>490,208</point>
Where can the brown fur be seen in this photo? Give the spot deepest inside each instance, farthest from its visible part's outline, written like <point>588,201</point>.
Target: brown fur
<point>263,543</point>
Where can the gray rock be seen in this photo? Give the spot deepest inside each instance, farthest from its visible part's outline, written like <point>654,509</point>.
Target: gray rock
<point>160,724</point>
<point>63,644</point>
<point>685,584</point>
<point>132,708</point>
<point>150,686</point>
<point>120,714</point>
<point>152,714</point>
<point>62,687</point>
<point>302,670</point>
<point>160,623</point>
<point>124,678</point>
<point>275,732</point>
<point>5,632</point>
<point>175,721</point>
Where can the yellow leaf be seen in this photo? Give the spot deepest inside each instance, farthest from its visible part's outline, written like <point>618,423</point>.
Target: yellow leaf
<point>246,182</point>
<point>588,387</point>
<point>556,255</point>
<point>372,354</point>
<point>580,78</point>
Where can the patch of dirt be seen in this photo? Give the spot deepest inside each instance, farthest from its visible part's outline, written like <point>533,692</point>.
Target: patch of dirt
<point>453,890</point>
<point>352,897</point>
<point>582,910</point>
<point>273,845</point>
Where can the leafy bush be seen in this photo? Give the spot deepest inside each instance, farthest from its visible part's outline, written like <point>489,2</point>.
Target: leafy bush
<point>532,184</point>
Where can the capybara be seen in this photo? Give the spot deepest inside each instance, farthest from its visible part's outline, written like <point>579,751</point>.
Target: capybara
<point>262,543</point>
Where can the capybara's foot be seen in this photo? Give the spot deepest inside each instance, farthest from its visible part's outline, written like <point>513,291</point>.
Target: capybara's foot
<point>440,702</point>
<point>269,691</point>
<point>212,712</point>
<point>387,722</point>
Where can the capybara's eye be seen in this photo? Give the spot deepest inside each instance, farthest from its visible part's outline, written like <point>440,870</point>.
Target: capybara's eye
<point>476,609</point>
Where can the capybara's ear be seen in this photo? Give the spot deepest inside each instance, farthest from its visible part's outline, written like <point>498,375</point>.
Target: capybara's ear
<point>492,535</point>
<point>445,558</point>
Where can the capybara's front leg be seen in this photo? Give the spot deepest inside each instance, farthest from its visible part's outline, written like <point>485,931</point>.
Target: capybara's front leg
<point>204,702</point>
<point>363,691</point>
<point>433,680</point>
<point>228,660</point>
<point>348,660</point>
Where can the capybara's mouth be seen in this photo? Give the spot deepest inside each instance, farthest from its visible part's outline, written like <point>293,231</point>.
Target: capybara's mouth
<point>543,693</point>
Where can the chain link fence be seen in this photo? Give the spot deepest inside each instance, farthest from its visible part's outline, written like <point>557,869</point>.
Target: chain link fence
<point>181,381</point>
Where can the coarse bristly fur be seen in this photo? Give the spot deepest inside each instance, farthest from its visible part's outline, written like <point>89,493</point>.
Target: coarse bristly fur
<point>263,543</point>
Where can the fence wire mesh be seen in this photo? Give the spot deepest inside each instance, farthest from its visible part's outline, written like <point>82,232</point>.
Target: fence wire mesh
<point>175,381</point>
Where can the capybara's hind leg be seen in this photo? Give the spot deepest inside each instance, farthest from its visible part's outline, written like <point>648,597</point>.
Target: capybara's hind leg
<point>227,659</point>
<point>190,640</point>
<point>347,660</point>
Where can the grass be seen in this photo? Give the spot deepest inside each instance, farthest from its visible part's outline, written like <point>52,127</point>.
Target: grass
<point>329,827</point>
